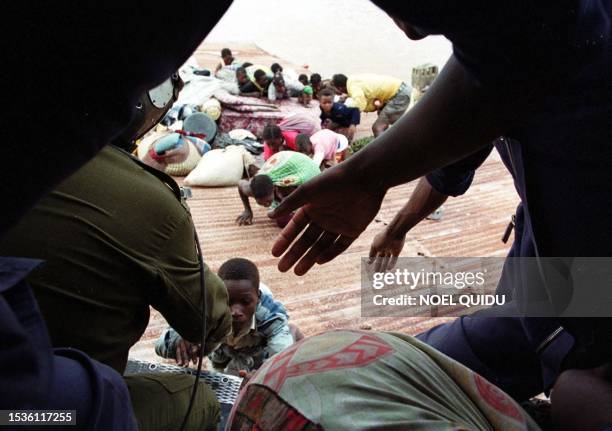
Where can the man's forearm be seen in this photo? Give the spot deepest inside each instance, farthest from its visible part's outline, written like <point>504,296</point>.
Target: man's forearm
<point>424,200</point>
<point>455,118</point>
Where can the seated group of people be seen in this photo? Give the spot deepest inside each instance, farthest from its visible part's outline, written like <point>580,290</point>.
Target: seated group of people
<point>341,98</point>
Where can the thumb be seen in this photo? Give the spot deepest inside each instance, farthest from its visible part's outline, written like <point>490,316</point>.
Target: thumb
<point>295,200</point>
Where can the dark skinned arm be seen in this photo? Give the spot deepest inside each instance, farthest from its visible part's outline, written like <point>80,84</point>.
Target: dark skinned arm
<point>388,244</point>
<point>244,189</point>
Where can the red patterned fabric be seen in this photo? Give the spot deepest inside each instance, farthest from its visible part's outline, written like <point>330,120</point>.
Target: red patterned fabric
<point>266,411</point>
<point>256,121</point>
<point>364,351</point>
<point>497,399</point>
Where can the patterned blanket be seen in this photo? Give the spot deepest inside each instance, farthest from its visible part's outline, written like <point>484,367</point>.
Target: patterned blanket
<point>253,114</point>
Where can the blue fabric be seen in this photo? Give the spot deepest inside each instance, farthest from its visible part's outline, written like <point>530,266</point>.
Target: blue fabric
<point>270,315</point>
<point>33,376</point>
<point>513,364</point>
<point>342,115</point>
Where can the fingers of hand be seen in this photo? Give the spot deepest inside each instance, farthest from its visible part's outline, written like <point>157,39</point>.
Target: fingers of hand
<point>392,262</point>
<point>180,353</point>
<point>324,241</point>
<point>300,247</point>
<point>338,247</point>
<point>384,261</point>
<point>290,232</point>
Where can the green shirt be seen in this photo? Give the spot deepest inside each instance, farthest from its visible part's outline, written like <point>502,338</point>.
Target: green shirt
<point>115,240</point>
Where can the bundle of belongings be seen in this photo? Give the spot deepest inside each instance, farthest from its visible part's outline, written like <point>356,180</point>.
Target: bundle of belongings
<point>196,133</point>
<point>221,167</point>
<point>239,137</point>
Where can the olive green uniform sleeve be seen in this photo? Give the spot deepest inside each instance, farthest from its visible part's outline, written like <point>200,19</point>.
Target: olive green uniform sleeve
<point>179,297</point>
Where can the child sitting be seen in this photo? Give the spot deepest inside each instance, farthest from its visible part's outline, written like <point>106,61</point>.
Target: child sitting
<point>260,326</point>
<point>227,60</point>
<point>337,116</point>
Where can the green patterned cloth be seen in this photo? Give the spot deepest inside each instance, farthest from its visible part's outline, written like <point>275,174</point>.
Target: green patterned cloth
<point>367,380</point>
<point>290,169</point>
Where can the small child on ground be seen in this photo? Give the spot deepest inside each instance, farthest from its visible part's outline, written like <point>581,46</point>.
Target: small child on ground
<point>337,116</point>
<point>260,327</point>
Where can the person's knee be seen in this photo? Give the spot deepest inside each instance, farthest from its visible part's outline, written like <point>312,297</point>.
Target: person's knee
<point>379,126</point>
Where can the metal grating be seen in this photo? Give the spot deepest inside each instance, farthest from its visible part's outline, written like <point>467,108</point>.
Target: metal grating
<point>224,386</point>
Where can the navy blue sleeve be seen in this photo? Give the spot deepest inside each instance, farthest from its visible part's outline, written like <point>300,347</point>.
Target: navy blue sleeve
<point>455,179</point>
<point>355,115</point>
<point>351,115</point>
<point>36,377</point>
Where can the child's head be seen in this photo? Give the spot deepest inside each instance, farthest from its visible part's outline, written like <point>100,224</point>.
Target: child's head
<point>246,64</point>
<point>241,279</point>
<point>306,96</point>
<point>273,137</point>
<point>303,144</point>
<point>275,68</point>
<point>261,78</point>
<point>315,81</point>
<point>303,79</point>
<point>339,82</point>
<point>326,100</point>
<point>279,83</point>
<point>226,55</point>
<point>241,76</point>
<point>262,189</point>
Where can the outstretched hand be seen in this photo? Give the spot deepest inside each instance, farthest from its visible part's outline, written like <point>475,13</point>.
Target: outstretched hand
<point>384,251</point>
<point>334,209</point>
